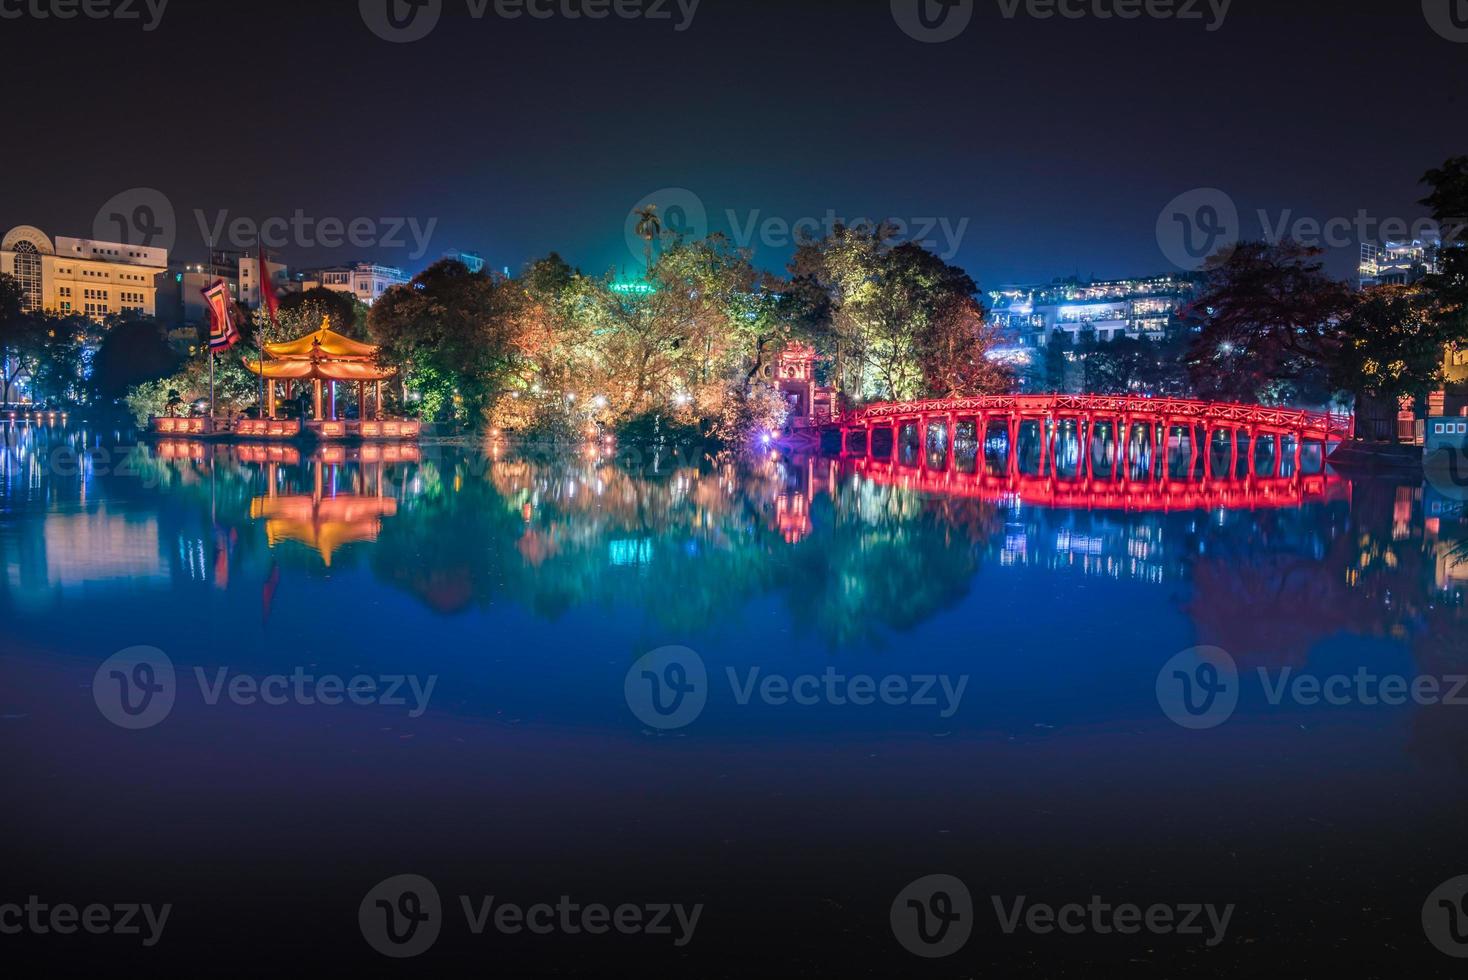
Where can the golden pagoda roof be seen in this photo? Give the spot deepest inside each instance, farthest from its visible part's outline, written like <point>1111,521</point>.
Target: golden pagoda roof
<point>295,370</point>
<point>324,343</point>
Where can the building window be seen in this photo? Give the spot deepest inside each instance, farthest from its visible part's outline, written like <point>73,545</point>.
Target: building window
<point>28,273</point>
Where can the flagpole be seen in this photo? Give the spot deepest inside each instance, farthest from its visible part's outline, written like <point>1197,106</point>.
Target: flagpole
<point>259,331</point>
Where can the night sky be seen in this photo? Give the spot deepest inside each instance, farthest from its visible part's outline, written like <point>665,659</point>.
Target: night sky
<point>1057,141</point>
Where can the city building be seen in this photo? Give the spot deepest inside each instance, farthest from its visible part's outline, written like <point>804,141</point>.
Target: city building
<point>79,275</point>
<point>249,279</point>
<point>365,280</point>
<point>1398,263</point>
<point>1145,307</point>
<point>473,261</point>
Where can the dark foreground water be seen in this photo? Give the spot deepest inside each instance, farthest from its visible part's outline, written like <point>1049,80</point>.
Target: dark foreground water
<point>659,719</point>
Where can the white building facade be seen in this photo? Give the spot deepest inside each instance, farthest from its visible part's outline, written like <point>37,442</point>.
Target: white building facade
<point>80,275</point>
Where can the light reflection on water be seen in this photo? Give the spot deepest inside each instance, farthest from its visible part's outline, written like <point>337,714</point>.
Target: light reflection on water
<point>529,586</point>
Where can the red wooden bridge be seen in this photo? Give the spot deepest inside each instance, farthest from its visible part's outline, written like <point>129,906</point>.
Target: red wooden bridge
<point>1090,436</point>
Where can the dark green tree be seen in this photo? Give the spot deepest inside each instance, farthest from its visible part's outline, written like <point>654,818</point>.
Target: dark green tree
<point>133,351</point>
<point>452,333</point>
<point>1270,319</point>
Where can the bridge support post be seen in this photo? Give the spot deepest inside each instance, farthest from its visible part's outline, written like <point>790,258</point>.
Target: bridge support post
<point>1015,422</point>
<point>1124,449</point>
<point>1233,452</point>
<point>1044,445</point>
<point>952,443</point>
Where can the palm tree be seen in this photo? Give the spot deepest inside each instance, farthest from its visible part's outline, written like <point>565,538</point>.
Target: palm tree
<point>649,229</point>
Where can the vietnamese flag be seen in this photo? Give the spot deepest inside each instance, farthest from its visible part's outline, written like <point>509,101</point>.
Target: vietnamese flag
<point>267,288</point>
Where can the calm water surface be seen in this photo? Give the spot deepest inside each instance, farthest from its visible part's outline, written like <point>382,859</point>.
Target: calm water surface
<point>527,591</point>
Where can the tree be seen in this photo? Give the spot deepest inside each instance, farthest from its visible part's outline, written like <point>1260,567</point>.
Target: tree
<point>649,229</point>
<point>18,334</point>
<point>1120,366</point>
<point>885,304</point>
<point>954,352</point>
<point>1449,204</point>
<point>451,332</point>
<point>1270,325</point>
<point>59,355</point>
<point>132,352</point>
<point>1391,349</point>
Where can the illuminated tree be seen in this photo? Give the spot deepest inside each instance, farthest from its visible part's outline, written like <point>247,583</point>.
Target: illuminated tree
<point>886,304</point>
<point>1391,347</point>
<point>451,332</point>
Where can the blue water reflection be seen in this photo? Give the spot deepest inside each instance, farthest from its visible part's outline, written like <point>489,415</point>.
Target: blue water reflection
<point>529,588</point>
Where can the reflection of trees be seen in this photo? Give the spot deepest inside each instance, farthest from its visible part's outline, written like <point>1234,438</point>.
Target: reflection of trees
<point>885,557</point>
<point>852,559</point>
<point>691,546</point>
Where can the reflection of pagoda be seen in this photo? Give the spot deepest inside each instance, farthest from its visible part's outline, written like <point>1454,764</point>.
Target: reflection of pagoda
<point>323,524</point>
<point>795,377</point>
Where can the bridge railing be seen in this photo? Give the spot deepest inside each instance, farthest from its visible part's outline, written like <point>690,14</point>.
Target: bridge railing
<point>1329,425</point>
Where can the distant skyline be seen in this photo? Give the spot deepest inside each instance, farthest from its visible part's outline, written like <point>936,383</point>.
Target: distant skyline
<point>1028,148</point>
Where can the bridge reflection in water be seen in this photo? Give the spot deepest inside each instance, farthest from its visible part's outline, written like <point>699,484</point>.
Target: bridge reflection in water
<point>1129,446</point>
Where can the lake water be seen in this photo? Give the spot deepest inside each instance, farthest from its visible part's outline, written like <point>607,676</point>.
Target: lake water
<point>256,686</point>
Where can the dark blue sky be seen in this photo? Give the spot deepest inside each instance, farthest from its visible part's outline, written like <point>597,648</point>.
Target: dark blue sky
<point>1052,143</point>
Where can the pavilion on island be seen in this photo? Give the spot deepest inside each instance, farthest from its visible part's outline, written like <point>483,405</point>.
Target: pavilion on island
<point>325,358</point>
